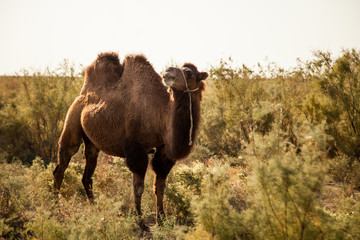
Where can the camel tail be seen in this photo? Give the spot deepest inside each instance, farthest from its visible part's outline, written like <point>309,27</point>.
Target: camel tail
<point>105,70</point>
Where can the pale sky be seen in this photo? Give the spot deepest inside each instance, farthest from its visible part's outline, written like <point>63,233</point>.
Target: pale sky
<point>40,33</point>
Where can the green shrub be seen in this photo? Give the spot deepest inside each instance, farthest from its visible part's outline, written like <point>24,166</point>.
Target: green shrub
<point>184,182</point>
<point>352,220</point>
<point>242,100</point>
<point>33,113</point>
<point>286,187</point>
<point>226,108</point>
<point>343,169</point>
<point>45,226</point>
<point>212,209</point>
<point>13,199</point>
<point>339,104</point>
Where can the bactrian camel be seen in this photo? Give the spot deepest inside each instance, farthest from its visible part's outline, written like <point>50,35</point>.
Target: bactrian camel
<point>127,109</point>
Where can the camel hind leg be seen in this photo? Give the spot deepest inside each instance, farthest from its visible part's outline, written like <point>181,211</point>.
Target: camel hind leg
<point>69,142</point>
<point>91,154</point>
<point>68,146</point>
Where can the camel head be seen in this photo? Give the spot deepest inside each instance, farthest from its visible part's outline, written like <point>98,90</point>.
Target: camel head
<point>174,77</point>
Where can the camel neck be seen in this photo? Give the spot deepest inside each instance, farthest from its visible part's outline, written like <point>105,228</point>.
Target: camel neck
<point>182,97</point>
<point>180,124</point>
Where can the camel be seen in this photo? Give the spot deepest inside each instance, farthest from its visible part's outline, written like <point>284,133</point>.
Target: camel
<point>127,110</point>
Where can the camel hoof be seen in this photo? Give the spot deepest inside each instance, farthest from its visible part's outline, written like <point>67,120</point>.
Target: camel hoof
<point>160,219</point>
<point>92,200</point>
<point>143,226</point>
<point>160,222</point>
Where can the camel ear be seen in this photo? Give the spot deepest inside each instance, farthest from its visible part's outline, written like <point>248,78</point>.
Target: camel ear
<point>202,76</point>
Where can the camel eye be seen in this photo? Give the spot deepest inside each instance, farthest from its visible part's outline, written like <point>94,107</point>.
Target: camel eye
<point>188,73</point>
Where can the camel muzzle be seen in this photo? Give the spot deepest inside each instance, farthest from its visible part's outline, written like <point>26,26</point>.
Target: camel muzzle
<point>169,79</point>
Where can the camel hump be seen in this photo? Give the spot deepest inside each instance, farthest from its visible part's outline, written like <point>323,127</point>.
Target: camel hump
<point>109,57</point>
<point>104,71</point>
<point>138,69</point>
<point>136,59</point>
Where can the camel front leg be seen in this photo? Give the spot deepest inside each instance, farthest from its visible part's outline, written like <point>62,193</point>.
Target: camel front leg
<point>159,189</point>
<point>138,187</point>
<point>161,165</point>
<point>137,162</point>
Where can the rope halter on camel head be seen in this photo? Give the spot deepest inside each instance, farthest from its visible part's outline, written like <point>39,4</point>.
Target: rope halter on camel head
<point>189,91</point>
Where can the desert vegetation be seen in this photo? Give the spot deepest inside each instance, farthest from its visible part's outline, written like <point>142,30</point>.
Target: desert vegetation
<point>277,157</point>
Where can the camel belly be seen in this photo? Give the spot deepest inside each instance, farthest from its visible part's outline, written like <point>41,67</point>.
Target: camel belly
<point>104,134</point>
<point>108,131</point>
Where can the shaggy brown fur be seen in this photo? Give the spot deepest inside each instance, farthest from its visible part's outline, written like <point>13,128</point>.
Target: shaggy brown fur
<point>126,110</point>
